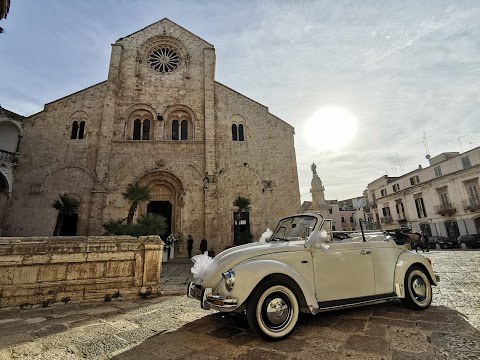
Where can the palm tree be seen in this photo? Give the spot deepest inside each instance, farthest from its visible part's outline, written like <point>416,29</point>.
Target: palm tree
<point>66,206</point>
<point>136,193</point>
<point>242,204</point>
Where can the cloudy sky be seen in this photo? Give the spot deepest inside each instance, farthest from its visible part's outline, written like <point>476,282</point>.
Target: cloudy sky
<point>366,78</point>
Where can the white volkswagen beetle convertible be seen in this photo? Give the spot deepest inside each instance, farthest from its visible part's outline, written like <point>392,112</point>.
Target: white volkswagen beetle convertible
<point>302,267</point>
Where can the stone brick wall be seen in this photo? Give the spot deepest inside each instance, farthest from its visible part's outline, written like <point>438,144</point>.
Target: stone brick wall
<point>38,269</point>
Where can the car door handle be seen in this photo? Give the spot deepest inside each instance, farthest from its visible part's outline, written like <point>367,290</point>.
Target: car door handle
<point>365,252</point>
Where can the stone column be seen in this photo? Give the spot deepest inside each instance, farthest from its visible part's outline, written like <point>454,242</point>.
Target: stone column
<point>99,192</point>
<point>210,188</point>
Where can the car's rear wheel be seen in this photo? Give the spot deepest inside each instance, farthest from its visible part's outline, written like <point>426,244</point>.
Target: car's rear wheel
<point>418,289</point>
<point>272,310</point>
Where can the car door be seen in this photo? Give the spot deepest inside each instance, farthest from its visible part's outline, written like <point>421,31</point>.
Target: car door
<point>385,255</point>
<point>343,269</point>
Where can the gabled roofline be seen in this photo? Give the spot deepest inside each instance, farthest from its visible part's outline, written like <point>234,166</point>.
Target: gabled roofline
<point>256,102</point>
<point>76,92</point>
<point>12,114</point>
<point>164,19</point>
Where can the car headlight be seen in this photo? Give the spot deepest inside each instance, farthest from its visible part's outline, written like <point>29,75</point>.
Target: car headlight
<point>229,277</point>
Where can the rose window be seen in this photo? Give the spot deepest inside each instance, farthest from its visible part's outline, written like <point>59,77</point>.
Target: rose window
<point>164,59</point>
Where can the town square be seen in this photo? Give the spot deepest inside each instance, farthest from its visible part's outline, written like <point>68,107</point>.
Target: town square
<point>271,179</point>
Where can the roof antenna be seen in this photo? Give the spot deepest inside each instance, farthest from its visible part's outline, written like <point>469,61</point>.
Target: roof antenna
<point>425,145</point>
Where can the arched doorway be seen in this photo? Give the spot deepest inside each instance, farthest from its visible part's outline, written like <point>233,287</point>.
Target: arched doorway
<point>452,229</point>
<point>163,208</point>
<point>477,225</point>
<point>167,198</point>
<point>426,229</point>
<point>69,225</point>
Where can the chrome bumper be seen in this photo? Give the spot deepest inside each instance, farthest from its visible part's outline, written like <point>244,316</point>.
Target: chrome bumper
<point>208,300</point>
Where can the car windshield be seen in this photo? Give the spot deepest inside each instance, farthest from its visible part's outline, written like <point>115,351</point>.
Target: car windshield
<point>294,228</point>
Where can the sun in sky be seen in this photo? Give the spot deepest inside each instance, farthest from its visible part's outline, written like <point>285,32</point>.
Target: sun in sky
<point>330,128</point>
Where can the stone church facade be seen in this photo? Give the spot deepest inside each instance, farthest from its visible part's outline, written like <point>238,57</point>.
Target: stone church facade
<point>161,119</point>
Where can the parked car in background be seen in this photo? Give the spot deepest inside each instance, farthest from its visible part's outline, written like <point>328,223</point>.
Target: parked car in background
<point>471,241</point>
<point>301,267</point>
<point>443,242</point>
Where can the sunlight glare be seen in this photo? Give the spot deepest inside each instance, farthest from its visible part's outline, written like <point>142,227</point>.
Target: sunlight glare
<point>330,128</point>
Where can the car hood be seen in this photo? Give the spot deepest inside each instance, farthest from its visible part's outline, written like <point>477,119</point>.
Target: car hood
<point>227,259</point>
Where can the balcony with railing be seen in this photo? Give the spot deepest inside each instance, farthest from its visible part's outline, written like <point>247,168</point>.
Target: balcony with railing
<point>445,209</point>
<point>472,204</point>
<point>7,156</point>
<point>386,220</point>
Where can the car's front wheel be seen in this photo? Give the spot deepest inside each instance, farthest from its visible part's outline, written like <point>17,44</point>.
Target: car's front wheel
<point>418,289</point>
<point>272,310</point>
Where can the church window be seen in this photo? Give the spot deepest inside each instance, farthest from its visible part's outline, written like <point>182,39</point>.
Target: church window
<point>164,59</point>
<point>137,126</point>
<point>78,130</point>
<point>234,132</point>
<point>81,130</point>
<point>141,129</point>
<point>146,130</point>
<point>184,130</point>
<point>175,129</point>
<point>240,132</point>
<point>237,132</point>
<point>74,130</point>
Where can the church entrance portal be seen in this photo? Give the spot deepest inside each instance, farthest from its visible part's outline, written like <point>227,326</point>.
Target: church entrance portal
<point>163,208</point>
<point>69,225</point>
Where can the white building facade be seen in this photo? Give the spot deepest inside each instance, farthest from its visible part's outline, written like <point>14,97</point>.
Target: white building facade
<point>442,199</point>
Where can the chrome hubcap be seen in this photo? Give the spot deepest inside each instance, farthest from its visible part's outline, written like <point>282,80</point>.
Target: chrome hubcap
<point>419,288</point>
<point>277,311</point>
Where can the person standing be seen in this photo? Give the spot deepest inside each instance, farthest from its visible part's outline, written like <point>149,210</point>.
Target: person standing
<point>203,246</point>
<point>190,245</point>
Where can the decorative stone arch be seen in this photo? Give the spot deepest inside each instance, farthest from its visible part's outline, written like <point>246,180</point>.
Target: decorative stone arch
<point>5,186</point>
<point>142,112</point>
<point>16,123</point>
<point>65,168</point>
<point>179,113</point>
<point>165,186</point>
<point>72,180</point>
<point>10,134</point>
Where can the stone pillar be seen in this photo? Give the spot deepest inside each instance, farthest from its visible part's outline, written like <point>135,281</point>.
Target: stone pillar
<point>210,188</point>
<point>99,192</point>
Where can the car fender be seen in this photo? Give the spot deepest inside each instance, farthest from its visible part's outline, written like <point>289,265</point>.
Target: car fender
<point>404,262</point>
<point>250,273</point>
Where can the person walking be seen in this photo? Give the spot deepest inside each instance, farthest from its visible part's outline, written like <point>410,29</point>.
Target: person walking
<point>190,245</point>
<point>425,240</point>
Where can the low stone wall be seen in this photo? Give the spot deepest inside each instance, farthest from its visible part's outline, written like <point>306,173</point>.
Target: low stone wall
<point>38,270</point>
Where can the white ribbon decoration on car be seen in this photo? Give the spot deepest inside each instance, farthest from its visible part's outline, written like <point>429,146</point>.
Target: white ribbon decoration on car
<point>201,263</point>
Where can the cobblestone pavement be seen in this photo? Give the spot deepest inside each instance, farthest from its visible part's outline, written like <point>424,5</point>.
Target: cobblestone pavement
<point>174,327</point>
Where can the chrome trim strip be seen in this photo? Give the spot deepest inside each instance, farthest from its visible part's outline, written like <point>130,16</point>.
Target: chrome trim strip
<point>375,301</point>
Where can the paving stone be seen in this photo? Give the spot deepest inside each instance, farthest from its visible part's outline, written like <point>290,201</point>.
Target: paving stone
<point>100,346</point>
<point>403,355</point>
<point>10,339</point>
<point>368,344</point>
<point>258,354</point>
<point>287,345</point>
<point>224,332</point>
<point>405,339</point>
<point>49,330</point>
